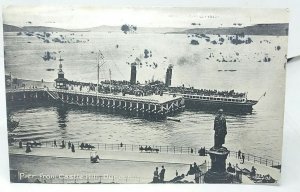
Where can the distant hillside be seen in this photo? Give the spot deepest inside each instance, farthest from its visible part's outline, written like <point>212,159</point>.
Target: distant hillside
<point>105,28</point>
<point>11,28</point>
<point>277,29</point>
<point>43,29</point>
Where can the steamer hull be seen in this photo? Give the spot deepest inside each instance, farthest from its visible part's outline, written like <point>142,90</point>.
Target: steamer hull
<point>197,104</point>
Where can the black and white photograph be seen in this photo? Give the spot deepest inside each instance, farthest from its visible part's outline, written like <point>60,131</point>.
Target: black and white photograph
<point>145,95</point>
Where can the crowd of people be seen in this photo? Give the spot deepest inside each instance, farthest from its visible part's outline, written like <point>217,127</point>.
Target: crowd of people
<point>63,145</point>
<point>117,87</point>
<point>206,92</point>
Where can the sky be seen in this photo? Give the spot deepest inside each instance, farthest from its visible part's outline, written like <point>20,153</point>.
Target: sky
<point>77,17</point>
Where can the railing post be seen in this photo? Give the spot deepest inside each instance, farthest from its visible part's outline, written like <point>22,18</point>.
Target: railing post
<point>131,147</point>
<point>125,146</point>
<point>167,149</point>
<point>174,149</point>
<point>98,146</point>
<point>259,160</point>
<point>248,157</point>
<point>105,146</point>
<point>181,150</point>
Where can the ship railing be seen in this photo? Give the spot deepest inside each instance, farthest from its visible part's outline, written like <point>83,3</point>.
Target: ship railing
<point>213,97</point>
<point>161,149</point>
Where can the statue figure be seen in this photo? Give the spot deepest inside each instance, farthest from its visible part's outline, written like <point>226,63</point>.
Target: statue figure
<point>220,129</point>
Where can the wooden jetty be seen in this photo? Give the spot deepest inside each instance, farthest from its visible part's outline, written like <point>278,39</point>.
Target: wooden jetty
<point>152,106</point>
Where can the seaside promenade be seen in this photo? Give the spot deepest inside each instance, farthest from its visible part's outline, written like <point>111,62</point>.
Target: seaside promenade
<point>117,165</point>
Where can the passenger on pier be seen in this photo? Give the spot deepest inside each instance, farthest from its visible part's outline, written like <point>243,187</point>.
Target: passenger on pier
<point>121,145</point>
<point>54,143</point>
<point>155,176</point>
<point>69,145</point>
<point>20,144</point>
<point>176,174</point>
<point>73,148</point>
<point>192,151</point>
<point>239,154</point>
<point>28,149</point>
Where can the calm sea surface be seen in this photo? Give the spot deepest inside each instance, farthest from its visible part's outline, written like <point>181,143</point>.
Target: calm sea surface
<point>259,133</point>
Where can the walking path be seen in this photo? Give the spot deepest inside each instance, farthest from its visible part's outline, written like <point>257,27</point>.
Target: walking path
<point>137,164</point>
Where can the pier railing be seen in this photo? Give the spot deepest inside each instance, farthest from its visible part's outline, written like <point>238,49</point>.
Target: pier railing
<point>161,149</point>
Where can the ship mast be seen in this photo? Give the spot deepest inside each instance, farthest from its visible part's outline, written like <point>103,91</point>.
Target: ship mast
<point>110,80</point>
<point>99,56</point>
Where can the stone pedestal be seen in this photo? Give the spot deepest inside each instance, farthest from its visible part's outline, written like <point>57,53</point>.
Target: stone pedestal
<point>217,173</point>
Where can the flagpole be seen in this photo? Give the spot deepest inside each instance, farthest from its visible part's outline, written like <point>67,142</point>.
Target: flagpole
<point>98,68</point>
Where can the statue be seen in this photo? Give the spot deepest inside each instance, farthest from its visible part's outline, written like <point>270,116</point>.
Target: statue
<point>220,129</point>
<point>218,154</point>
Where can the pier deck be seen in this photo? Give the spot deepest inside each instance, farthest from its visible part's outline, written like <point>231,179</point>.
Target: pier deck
<point>152,106</point>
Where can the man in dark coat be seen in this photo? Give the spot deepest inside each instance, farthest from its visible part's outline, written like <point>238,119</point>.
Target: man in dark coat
<point>162,174</point>
<point>73,148</point>
<point>220,129</point>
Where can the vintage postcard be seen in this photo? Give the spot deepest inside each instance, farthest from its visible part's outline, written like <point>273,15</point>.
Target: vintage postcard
<point>145,94</point>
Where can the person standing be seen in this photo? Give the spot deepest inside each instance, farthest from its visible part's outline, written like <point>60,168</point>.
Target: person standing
<point>63,144</point>
<point>54,143</point>
<point>162,174</point>
<point>243,158</point>
<point>155,176</point>
<point>239,154</point>
<point>28,149</point>
<point>73,148</point>
<point>69,145</point>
